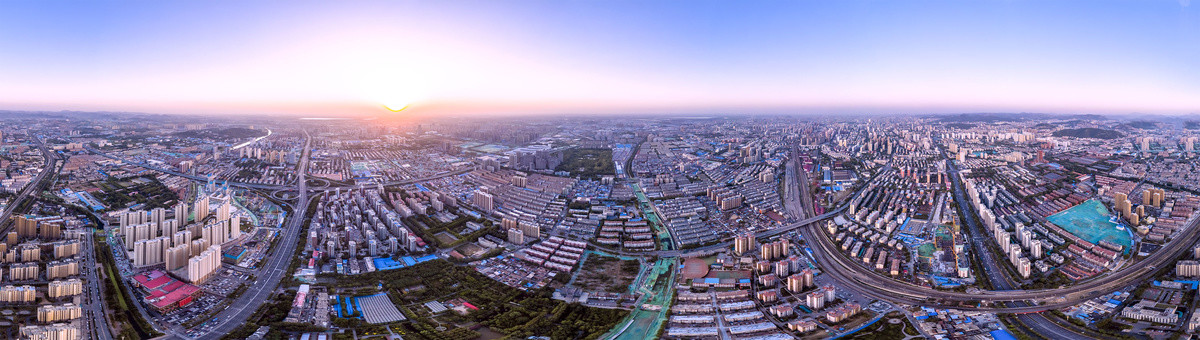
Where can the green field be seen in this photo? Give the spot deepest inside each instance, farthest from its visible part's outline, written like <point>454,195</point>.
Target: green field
<point>1090,221</point>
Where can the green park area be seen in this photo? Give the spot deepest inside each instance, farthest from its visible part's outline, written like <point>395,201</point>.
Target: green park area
<point>448,235</point>
<point>117,194</point>
<point>892,326</point>
<point>588,163</point>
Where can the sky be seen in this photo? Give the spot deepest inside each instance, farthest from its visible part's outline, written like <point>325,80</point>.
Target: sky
<point>351,58</point>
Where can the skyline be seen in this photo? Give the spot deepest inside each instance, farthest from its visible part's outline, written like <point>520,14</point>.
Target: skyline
<point>463,58</point>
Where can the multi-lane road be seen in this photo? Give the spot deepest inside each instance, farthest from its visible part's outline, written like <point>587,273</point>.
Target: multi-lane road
<point>997,276</point>
<point>870,283</point>
<point>51,161</point>
<point>269,275</point>
<point>94,316</point>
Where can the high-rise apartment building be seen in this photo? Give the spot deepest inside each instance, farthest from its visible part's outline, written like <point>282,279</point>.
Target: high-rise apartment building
<point>203,266</point>
<point>484,201</point>
<point>24,271</point>
<point>516,236</point>
<point>62,288</point>
<point>176,257</point>
<point>18,294</point>
<point>61,269</point>
<point>53,313</point>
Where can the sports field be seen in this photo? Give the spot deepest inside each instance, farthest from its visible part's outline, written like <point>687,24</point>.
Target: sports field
<point>1090,221</point>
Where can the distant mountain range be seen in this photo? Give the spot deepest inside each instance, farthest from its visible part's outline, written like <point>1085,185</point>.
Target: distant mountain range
<point>1011,117</point>
<point>1089,133</point>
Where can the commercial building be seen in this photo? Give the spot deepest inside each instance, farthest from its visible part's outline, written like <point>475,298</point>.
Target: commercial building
<point>1152,311</point>
<point>163,292</point>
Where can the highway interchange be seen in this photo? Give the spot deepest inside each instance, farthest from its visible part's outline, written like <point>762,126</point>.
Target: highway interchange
<point>833,262</point>
<point>268,275</point>
<point>1027,304</point>
<point>830,259</point>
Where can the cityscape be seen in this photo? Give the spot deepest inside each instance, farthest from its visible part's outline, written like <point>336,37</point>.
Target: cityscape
<point>499,184</point>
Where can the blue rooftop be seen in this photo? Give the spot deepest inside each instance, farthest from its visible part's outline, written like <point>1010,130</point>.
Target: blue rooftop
<point>408,260</point>
<point>386,263</point>
<point>1001,334</point>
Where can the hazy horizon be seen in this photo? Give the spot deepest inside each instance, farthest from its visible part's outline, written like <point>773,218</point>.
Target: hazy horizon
<point>468,58</point>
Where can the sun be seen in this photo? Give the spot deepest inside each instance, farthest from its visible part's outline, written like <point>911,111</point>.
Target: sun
<point>394,96</point>
<point>396,105</point>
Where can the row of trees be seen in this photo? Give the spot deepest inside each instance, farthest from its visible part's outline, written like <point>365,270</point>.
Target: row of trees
<point>131,323</point>
<point>434,227</point>
<point>271,314</point>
